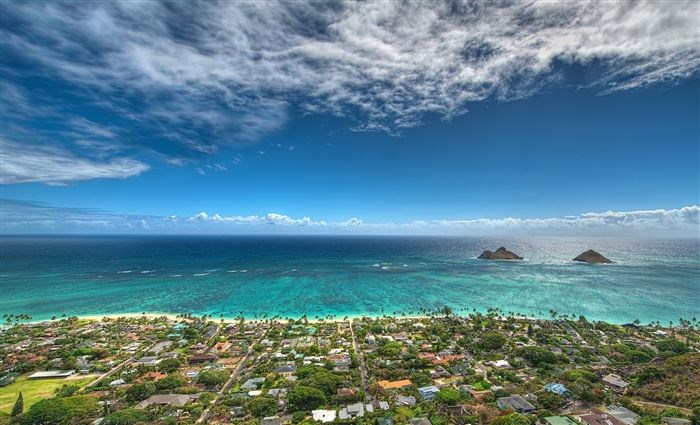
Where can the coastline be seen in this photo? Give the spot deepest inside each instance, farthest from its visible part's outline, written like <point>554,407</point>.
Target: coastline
<point>228,320</point>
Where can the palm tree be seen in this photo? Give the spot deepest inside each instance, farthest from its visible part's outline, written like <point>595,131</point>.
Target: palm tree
<point>447,311</point>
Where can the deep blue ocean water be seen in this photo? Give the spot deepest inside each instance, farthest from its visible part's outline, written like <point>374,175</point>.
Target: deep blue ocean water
<point>320,276</point>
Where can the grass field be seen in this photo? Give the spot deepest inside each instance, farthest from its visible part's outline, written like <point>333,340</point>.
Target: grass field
<point>34,390</point>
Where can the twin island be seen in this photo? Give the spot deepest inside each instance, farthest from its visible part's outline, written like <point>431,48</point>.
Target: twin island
<point>590,256</point>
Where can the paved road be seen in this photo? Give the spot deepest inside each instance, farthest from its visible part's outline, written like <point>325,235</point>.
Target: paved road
<point>113,370</point>
<point>360,355</point>
<point>231,380</point>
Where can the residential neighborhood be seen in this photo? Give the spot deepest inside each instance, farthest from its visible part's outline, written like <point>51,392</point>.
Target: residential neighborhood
<point>434,370</point>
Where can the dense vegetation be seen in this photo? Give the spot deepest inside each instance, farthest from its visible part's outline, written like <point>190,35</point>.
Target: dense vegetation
<point>676,381</point>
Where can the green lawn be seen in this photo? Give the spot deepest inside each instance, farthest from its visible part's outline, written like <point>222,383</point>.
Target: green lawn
<point>34,390</point>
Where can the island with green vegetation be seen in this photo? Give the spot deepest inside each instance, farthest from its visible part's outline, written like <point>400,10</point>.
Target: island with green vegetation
<point>440,369</point>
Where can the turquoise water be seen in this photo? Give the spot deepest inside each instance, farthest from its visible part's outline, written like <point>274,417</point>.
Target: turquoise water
<point>321,276</point>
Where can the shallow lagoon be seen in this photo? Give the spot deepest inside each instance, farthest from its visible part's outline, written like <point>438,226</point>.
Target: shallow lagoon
<point>346,276</point>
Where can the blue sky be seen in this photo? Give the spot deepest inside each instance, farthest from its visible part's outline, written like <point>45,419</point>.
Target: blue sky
<point>550,118</point>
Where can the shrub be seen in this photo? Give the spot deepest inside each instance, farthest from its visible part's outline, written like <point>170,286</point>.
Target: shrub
<point>306,398</point>
<point>492,341</point>
<point>142,391</point>
<point>262,406</point>
<point>66,410</point>
<point>449,396</point>
<point>126,417</point>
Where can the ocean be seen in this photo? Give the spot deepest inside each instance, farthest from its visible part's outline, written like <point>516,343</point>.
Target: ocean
<point>339,276</point>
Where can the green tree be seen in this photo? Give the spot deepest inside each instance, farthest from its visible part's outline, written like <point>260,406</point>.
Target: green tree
<point>511,419</point>
<point>169,365</point>
<point>18,408</point>
<point>449,396</point>
<point>324,381</point>
<point>262,406</point>
<point>492,341</point>
<point>537,356</point>
<point>170,382</point>
<point>305,398</point>
<point>213,377</point>
<point>142,391</point>
<point>60,411</point>
<point>67,390</point>
<point>126,417</point>
<point>550,401</point>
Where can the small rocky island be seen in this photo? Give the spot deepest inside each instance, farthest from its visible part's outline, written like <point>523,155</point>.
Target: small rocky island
<point>592,257</point>
<point>500,254</point>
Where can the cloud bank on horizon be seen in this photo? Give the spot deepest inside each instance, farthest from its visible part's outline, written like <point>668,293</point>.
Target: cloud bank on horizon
<point>183,84</point>
<point>23,217</point>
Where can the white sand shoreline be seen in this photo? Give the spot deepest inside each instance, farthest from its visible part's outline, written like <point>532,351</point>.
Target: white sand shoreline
<point>218,319</point>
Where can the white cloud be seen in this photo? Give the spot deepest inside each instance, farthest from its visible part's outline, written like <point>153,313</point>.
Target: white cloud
<point>234,68</point>
<point>20,163</point>
<point>27,217</point>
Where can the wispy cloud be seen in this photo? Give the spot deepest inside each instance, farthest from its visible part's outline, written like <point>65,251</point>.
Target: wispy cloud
<point>55,166</point>
<point>29,217</point>
<point>233,69</point>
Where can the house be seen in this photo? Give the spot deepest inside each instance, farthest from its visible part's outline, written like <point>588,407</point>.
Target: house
<point>447,358</point>
<point>48,374</point>
<point>460,369</point>
<point>211,331</point>
<point>458,413</point>
<point>356,410</point>
<point>221,347</point>
<point>237,412</point>
<point>253,383</point>
<point>439,372</point>
<point>346,392</point>
<point>160,346</point>
<point>323,415</point>
<point>516,403</point>
<point>7,379</point>
<point>558,420</point>
<point>428,393</point>
<point>170,400</point>
<point>406,400</point>
<point>154,376</point>
<point>286,370</point>
<point>556,388</point>
<point>271,420</point>
<point>615,382</point>
<point>203,358</point>
<point>675,421</point>
<point>596,417</point>
<point>420,421</point>
<point>391,385</point>
<point>147,361</point>
<point>623,414</point>
<point>500,364</point>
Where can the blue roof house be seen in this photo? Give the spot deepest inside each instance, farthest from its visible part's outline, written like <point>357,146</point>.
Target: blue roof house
<point>429,393</point>
<point>556,388</point>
